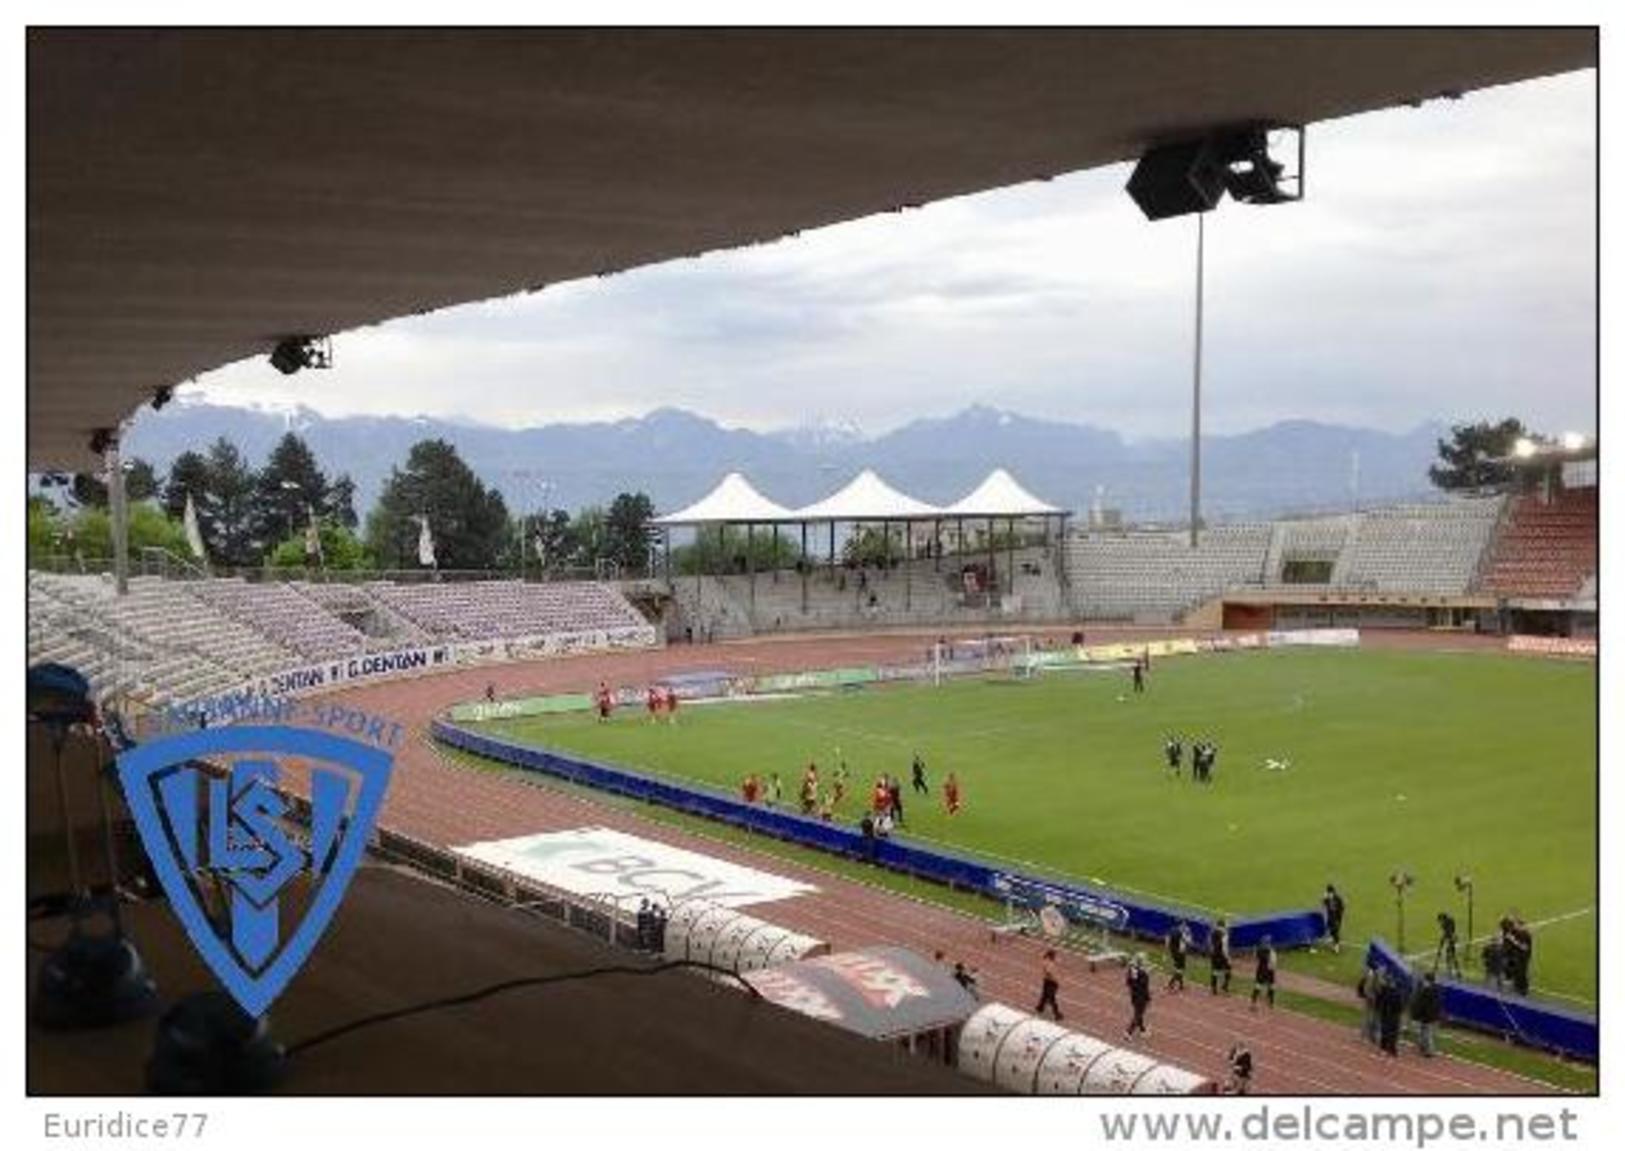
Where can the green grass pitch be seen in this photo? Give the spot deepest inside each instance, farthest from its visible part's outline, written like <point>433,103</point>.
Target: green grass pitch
<point>1435,763</point>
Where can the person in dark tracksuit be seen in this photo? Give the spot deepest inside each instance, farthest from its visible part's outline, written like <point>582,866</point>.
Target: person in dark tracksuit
<point>1264,974</point>
<point>920,785</point>
<point>1218,957</point>
<point>1332,904</point>
<point>1241,1069</point>
<point>1049,988</point>
<point>1175,752</point>
<point>1139,676</point>
<point>1426,1010</point>
<point>1139,995</point>
<point>1390,1015</point>
<point>1179,946</point>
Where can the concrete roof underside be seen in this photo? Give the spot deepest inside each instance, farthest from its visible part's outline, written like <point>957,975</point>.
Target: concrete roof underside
<point>195,195</point>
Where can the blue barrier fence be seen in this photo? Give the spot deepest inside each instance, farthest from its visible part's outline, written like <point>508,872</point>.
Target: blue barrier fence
<point>1533,1022</point>
<point>1082,903</point>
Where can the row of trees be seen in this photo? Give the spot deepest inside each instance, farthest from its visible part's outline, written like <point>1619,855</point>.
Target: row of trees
<point>247,518</point>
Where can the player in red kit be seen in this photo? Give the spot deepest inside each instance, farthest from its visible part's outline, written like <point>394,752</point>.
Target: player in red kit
<point>950,793</point>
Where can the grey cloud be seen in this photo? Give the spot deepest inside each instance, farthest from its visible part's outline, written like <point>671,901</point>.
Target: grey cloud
<point>1443,266</point>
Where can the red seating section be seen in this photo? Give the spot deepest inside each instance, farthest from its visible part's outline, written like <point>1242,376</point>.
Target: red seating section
<point>1546,550</point>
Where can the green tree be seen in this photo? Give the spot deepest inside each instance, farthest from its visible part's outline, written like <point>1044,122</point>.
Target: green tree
<point>341,502</point>
<point>626,532</point>
<point>871,547</point>
<point>734,551</point>
<point>45,539</point>
<point>188,476</point>
<point>140,481</point>
<point>87,491</point>
<point>588,533</point>
<point>92,533</point>
<point>226,511</point>
<point>548,539</point>
<point>468,521</point>
<point>1468,460</point>
<point>342,550</point>
<point>289,489</point>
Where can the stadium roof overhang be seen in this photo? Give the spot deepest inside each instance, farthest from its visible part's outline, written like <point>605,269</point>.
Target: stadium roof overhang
<point>195,196</point>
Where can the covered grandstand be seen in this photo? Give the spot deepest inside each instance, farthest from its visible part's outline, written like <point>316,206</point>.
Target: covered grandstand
<point>930,561</point>
<point>137,283</point>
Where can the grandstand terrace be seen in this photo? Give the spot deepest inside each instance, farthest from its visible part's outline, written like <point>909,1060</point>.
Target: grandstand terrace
<point>1438,550</point>
<point>508,609</point>
<point>172,640</point>
<point>1548,548</point>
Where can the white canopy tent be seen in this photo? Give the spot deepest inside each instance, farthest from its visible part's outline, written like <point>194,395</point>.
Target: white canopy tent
<point>866,499</point>
<point>1001,496</point>
<point>734,500</point>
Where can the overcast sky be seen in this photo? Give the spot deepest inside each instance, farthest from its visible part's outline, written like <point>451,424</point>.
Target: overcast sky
<point>1442,267</point>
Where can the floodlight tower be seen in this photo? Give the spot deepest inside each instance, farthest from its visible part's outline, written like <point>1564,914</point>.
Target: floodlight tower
<point>1191,176</point>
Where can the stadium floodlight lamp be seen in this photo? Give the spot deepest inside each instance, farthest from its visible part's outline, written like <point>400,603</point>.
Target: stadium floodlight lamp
<point>1523,448</point>
<point>1573,441</point>
<point>1192,175</point>
<point>1464,883</point>
<point>294,352</point>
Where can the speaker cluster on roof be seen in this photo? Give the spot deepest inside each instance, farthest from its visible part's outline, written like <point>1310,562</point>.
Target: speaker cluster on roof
<point>1193,175</point>
<point>294,352</point>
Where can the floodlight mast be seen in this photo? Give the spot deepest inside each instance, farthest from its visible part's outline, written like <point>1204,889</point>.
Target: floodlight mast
<point>1196,389</point>
<point>1191,176</point>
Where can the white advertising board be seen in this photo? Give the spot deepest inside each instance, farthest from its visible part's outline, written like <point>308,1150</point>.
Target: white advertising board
<point>603,862</point>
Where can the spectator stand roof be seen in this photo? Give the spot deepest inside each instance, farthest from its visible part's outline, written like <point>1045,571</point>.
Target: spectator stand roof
<point>883,993</point>
<point>1000,495</point>
<point>867,497</point>
<point>734,500</point>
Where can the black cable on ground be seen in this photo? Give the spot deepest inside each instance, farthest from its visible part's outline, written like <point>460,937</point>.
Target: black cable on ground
<point>506,986</point>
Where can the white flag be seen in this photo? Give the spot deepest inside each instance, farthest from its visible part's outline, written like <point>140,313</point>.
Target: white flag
<point>425,542</point>
<point>194,537</point>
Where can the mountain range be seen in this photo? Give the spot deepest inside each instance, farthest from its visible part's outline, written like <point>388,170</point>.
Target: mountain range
<point>676,456</point>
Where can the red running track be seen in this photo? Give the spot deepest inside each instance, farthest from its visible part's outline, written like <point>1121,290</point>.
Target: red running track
<point>434,799</point>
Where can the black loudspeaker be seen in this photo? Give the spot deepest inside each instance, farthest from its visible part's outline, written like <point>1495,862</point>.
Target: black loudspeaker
<point>207,1045</point>
<point>93,981</point>
<point>1178,179</point>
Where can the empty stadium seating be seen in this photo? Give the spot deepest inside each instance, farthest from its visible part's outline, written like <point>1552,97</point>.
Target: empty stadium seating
<point>1150,577</point>
<point>1547,550</point>
<point>173,640</point>
<point>278,610</point>
<point>496,609</point>
<point>1421,548</point>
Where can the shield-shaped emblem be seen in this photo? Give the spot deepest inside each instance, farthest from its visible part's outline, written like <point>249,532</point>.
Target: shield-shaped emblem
<point>228,857</point>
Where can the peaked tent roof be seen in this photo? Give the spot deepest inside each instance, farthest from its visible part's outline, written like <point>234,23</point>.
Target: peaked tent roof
<point>1001,495</point>
<point>867,497</point>
<point>734,501</point>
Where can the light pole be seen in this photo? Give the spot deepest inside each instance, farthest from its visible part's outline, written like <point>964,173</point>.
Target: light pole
<point>315,532</point>
<point>535,491</point>
<point>1401,882</point>
<point>1464,886</point>
<point>1196,387</point>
